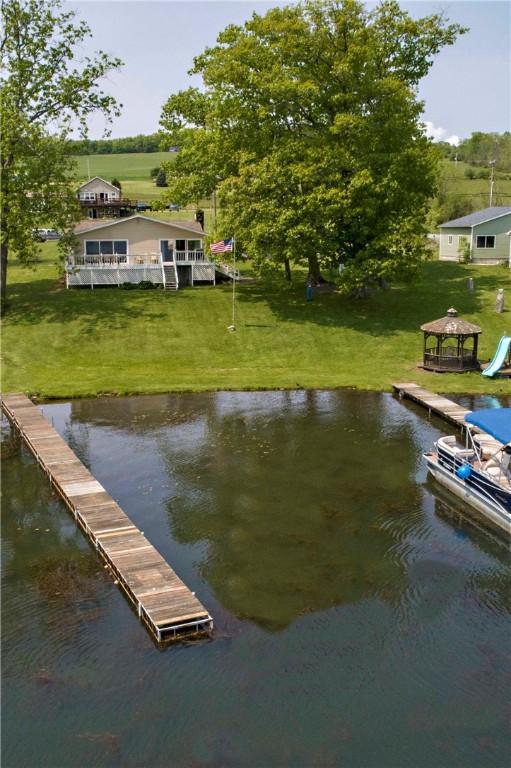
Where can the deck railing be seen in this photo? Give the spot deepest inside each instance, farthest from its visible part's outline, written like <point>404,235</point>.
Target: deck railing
<point>190,256</point>
<point>113,201</point>
<point>134,259</point>
<point>114,260</point>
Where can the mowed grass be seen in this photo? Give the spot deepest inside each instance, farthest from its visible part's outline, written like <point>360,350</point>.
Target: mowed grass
<point>130,166</point>
<point>67,343</point>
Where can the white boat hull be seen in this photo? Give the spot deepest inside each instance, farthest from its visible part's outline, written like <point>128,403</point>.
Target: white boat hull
<point>498,517</point>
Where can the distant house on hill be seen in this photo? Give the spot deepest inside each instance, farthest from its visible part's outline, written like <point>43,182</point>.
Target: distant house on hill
<point>486,233</point>
<point>98,198</point>
<point>139,249</point>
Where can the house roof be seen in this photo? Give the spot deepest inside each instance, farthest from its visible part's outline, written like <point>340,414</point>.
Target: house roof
<point>89,225</point>
<point>98,178</point>
<point>479,217</point>
<point>451,325</point>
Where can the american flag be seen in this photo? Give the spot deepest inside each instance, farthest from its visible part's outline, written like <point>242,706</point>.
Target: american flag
<point>222,246</point>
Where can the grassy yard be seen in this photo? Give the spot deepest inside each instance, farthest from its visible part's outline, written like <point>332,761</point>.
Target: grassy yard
<point>63,343</point>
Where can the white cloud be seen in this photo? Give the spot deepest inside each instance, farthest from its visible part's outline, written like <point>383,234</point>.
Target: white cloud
<point>438,133</point>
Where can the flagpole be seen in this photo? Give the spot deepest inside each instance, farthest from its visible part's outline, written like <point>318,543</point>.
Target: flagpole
<point>233,279</point>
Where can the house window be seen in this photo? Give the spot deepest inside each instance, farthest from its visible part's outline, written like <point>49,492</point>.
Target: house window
<point>180,245</point>
<point>87,195</point>
<point>485,241</point>
<point>117,248</point>
<point>194,245</point>
<point>449,239</point>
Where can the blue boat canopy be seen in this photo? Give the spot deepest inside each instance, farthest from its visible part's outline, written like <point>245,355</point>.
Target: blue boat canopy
<point>494,421</point>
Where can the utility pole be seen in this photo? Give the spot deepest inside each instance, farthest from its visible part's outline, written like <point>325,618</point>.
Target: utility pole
<point>492,180</point>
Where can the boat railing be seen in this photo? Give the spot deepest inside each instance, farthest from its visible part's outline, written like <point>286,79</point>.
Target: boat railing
<point>486,480</point>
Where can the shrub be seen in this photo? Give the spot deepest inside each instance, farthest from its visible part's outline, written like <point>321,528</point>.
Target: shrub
<point>146,285</point>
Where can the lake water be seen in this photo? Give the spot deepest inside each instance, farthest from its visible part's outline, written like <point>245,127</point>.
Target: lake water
<point>360,620</point>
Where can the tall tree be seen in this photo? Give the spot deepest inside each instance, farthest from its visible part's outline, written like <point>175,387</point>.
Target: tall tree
<point>45,93</point>
<point>310,119</point>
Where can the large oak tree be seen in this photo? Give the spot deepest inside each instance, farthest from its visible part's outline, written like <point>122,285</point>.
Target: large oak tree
<point>308,126</point>
<point>46,91</point>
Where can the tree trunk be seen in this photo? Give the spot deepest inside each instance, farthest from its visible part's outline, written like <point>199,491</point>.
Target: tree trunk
<point>3,275</point>
<point>287,269</point>
<point>314,276</point>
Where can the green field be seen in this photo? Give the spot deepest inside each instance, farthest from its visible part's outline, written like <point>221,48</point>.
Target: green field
<point>454,181</point>
<point>64,343</point>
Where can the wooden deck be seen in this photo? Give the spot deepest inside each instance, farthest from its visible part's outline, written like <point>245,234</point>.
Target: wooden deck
<point>163,602</point>
<point>436,404</point>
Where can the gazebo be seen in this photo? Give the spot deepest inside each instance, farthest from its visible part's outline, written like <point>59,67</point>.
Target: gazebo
<point>450,344</point>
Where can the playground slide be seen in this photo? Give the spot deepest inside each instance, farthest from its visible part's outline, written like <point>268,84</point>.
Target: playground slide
<point>499,358</point>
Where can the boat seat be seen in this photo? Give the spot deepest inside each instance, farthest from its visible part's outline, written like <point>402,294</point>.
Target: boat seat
<point>494,469</point>
<point>463,452</point>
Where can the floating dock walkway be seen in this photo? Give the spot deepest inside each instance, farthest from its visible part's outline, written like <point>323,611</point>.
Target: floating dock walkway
<point>436,404</point>
<point>163,602</point>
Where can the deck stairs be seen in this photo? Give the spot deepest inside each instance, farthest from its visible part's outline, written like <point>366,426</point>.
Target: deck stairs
<point>227,271</point>
<point>170,278</point>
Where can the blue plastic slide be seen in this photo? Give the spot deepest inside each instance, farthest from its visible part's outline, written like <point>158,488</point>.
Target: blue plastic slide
<point>499,358</point>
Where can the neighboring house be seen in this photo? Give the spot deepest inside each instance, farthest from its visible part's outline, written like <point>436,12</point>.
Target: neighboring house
<point>139,249</point>
<point>98,198</point>
<point>485,232</point>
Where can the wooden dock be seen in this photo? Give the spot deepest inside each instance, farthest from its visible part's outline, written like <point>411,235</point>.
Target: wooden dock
<point>436,404</point>
<point>163,602</point>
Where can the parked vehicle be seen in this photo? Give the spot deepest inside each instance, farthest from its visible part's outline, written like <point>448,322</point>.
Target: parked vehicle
<point>40,235</point>
<point>141,206</point>
<point>173,207</point>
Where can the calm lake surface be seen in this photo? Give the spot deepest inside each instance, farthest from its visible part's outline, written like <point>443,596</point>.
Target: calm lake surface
<point>360,620</point>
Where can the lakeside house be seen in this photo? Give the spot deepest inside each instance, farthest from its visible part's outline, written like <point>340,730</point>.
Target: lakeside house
<point>99,199</point>
<point>486,233</point>
<point>139,249</point>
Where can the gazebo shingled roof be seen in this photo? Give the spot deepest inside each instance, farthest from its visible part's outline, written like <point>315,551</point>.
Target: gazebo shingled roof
<point>451,325</point>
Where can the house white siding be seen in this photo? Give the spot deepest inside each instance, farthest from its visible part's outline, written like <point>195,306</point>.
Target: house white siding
<point>95,188</point>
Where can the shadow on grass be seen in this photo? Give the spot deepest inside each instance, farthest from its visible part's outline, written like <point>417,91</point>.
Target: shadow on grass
<point>48,300</point>
<point>402,308</point>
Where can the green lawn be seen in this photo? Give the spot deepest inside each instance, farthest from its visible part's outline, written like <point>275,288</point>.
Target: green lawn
<point>63,343</point>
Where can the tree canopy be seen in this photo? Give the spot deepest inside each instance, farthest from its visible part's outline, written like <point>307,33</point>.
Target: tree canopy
<point>45,92</point>
<point>308,125</point>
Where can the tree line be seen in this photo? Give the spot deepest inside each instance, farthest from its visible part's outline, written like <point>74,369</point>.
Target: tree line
<point>126,145</point>
<point>481,149</point>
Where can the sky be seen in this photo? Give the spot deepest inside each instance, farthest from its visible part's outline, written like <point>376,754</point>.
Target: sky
<point>468,88</point>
